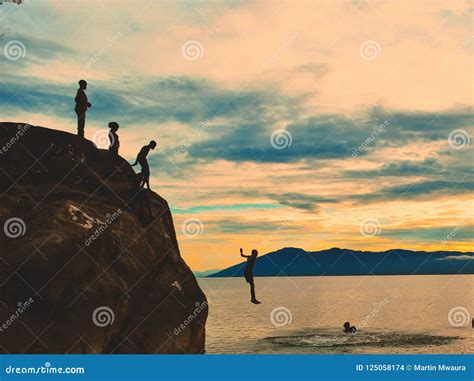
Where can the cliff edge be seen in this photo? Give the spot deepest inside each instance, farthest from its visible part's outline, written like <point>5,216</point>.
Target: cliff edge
<point>80,272</point>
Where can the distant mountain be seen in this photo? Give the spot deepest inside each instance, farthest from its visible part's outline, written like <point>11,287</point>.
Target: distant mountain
<point>292,261</point>
<point>203,274</point>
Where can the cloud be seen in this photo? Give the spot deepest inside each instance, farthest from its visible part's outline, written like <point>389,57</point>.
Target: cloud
<point>464,257</point>
<point>321,137</point>
<point>233,207</point>
<point>301,201</point>
<point>170,98</point>
<point>242,120</point>
<point>417,189</point>
<point>401,168</point>
<point>36,50</point>
<point>424,125</point>
<point>433,234</point>
<point>37,96</point>
<point>333,136</point>
<point>239,226</point>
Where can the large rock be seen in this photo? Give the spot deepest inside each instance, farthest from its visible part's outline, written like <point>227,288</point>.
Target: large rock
<point>79,271</point>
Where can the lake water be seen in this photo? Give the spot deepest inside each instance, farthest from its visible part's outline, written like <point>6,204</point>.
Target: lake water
<point>395,314</point>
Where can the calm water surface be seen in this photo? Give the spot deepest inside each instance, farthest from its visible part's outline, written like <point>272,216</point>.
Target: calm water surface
<point>395,314</point>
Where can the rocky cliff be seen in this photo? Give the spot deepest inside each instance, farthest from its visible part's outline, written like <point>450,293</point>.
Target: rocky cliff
<point>81,270</point>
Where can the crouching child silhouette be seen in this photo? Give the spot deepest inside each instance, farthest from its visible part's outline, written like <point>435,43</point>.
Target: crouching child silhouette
<point>142,160</point>
<point>248,273</point>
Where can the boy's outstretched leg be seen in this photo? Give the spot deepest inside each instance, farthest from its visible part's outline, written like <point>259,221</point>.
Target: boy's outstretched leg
<point>252,293</point>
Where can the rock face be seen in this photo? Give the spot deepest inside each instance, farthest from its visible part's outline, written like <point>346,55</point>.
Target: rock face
<point>79,271</point>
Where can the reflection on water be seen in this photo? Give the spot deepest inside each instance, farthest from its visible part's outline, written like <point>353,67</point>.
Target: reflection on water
<point>395,314</point>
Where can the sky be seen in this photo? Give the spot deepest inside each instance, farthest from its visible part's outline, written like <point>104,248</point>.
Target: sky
<point>311,124</point>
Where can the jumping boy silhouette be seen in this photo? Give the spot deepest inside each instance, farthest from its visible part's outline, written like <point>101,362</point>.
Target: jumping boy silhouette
<point>248,273</point>
<point>142,160</point>
<point>82,104</point>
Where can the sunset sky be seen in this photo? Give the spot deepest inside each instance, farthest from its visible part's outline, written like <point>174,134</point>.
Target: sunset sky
<point>311,124</point>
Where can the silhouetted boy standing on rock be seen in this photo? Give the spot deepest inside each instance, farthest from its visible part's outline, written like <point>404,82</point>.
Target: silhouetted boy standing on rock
<point>82,104</point>
<point>142,160</point>
<point>248,273</point>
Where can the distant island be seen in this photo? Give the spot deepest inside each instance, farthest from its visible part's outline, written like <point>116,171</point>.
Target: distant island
<point>205,273</point>
<point>292,261</point>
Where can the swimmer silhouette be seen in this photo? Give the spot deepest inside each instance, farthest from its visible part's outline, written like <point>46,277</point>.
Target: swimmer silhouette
<point>113,138</point>
<point>248,273</point>
<point>82,104</point>
<point>348,328</point>
<point>142,160</point>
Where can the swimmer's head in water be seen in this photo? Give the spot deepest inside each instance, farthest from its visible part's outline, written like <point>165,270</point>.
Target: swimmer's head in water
<point>254,252</point>
<point>347,325</point>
